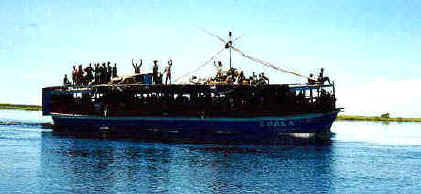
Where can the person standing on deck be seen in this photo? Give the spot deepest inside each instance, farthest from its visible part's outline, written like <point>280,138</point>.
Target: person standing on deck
<point>218,69</point>
<point>104,73</point>
<point>115,70</point>
<point>89,74</point>
<point>100,73</point>
<point>168,71</point>
<point>311,80</point>
<point>322,79</point>
<point>74,75</point>
<point>137,66</point>
<point>80,75</point>
<point>254,78</point>
<point>264,78</point>
<point>241,78</point>
<point>155,71</point>
<point>109,72</point>
<point>159,80</point>
<point>66,81</point>
<point>96,70</point>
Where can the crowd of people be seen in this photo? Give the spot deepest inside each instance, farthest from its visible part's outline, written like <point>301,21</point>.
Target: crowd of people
<point>234,76</point>
<point>99,74</point>
<point>104,73</point>
<point>156,74</point>
<point>319,80</point>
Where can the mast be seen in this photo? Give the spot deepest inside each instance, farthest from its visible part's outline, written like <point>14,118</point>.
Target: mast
<point>230,44</point>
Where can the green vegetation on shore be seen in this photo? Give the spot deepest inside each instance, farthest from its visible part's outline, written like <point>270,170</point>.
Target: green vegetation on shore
<point>21,107</point>
<point>376,118</point>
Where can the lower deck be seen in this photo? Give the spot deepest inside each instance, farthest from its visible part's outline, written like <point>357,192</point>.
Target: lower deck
<point>196,128</point>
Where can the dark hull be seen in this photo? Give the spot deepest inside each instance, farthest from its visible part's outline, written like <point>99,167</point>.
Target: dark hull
<point>203,130</point>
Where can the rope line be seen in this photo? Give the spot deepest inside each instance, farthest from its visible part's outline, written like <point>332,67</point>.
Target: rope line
<point>267,64</point>
<point>201,66</point>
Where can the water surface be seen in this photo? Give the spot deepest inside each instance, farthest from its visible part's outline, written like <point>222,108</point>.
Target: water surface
<point>364,157</point>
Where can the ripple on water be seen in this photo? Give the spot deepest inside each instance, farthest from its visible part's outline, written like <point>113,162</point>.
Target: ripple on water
<point>364,157</point>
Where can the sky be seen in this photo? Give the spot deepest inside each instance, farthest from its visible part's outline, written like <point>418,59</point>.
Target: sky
<point>369,48</point>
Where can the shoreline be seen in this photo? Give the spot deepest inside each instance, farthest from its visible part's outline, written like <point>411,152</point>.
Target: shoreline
<point>375,118</point>
<point>5,106</point>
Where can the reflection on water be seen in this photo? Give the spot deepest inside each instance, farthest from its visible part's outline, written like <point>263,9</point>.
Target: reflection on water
<point>120,166</point>
<point>363,157</point>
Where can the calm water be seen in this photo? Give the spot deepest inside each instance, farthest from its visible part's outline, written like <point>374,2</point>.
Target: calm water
<point>363,158</point>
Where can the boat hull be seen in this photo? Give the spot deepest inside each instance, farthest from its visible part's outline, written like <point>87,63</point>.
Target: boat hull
<point>259,129</point>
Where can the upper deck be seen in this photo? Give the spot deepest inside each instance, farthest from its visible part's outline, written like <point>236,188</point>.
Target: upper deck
<point>176,88</point>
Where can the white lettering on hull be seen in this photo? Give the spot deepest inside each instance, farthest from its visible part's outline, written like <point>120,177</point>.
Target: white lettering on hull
<point>277,124</point>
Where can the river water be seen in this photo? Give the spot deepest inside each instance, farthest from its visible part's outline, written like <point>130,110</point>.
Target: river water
<point>364,157</point>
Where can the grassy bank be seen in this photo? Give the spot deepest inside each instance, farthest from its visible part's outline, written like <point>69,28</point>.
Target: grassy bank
<point>20,107</point>
<point>376,118</point>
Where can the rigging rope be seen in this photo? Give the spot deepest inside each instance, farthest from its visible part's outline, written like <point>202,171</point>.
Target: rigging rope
<point>260,61</point>
<point>201,66</point>
<point>214,35</point>
<point>267,64</point>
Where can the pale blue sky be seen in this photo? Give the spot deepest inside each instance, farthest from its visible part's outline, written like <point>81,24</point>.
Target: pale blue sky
<point>366,46</point>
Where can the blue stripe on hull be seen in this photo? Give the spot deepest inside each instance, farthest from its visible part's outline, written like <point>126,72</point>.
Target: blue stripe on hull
<point>179,127</point>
